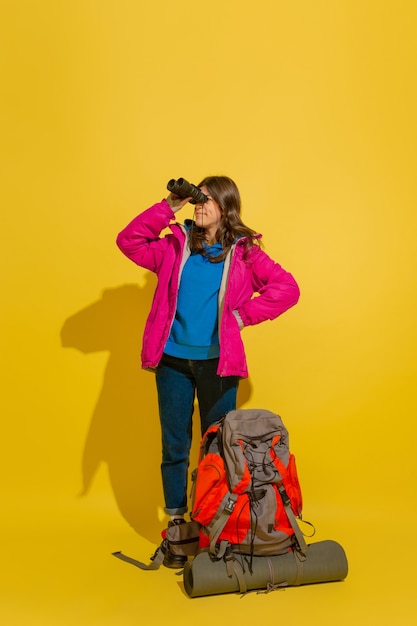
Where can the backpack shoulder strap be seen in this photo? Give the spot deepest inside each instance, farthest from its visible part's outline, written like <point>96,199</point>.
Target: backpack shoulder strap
<point>292,519</point>
<point>228,504</point>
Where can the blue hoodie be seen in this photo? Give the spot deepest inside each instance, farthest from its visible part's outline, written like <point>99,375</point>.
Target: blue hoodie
<point>194,332</point>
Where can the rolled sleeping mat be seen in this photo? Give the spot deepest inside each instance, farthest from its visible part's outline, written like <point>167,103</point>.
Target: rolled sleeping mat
<point>325,561</point>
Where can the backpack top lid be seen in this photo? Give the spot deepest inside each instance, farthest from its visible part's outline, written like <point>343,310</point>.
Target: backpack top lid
<point>251,440</point>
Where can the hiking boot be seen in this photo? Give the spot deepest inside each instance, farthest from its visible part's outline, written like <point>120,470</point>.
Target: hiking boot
<point>174,561</point>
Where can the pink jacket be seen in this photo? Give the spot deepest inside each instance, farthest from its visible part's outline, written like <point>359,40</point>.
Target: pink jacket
<point>258,274</point>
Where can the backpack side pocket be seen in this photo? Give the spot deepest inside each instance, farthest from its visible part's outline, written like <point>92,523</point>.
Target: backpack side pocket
<point>210,488</point>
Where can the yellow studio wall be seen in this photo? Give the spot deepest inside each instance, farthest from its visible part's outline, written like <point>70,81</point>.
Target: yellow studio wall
<point>310,107</point>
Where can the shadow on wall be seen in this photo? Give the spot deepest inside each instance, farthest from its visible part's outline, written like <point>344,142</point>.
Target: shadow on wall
<point>124,431</point>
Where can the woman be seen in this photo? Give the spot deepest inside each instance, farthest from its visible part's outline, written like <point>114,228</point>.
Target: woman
<point>213,280</point>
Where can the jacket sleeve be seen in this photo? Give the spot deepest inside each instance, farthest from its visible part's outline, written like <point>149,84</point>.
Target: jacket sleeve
<point>140,240</point>
<point>275,290</point>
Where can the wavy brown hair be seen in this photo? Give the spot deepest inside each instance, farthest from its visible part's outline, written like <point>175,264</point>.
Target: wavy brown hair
<point>225,192</point>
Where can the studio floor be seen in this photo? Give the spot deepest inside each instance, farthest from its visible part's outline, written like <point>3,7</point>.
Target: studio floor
<point>58,569</point>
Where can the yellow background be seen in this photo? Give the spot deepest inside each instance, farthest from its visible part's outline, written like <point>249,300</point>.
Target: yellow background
<point>310,107</point>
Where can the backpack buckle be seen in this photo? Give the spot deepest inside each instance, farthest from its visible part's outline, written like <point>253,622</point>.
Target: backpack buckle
<point>284,495</point>
<point>230,505</point>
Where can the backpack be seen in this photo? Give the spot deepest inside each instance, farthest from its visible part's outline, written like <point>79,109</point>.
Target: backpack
<point>246,500</point>
<point>246,494</point>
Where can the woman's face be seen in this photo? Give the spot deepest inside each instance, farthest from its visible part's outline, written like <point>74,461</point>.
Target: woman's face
<point>208,215</point>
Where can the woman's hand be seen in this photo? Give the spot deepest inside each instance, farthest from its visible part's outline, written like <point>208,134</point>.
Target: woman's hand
<point>176,203</point>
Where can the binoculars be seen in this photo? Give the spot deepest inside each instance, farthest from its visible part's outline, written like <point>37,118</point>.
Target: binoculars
<point>184,189</point>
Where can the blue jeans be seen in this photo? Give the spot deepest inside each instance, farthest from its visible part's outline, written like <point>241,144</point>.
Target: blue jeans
<point>178,381</point>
